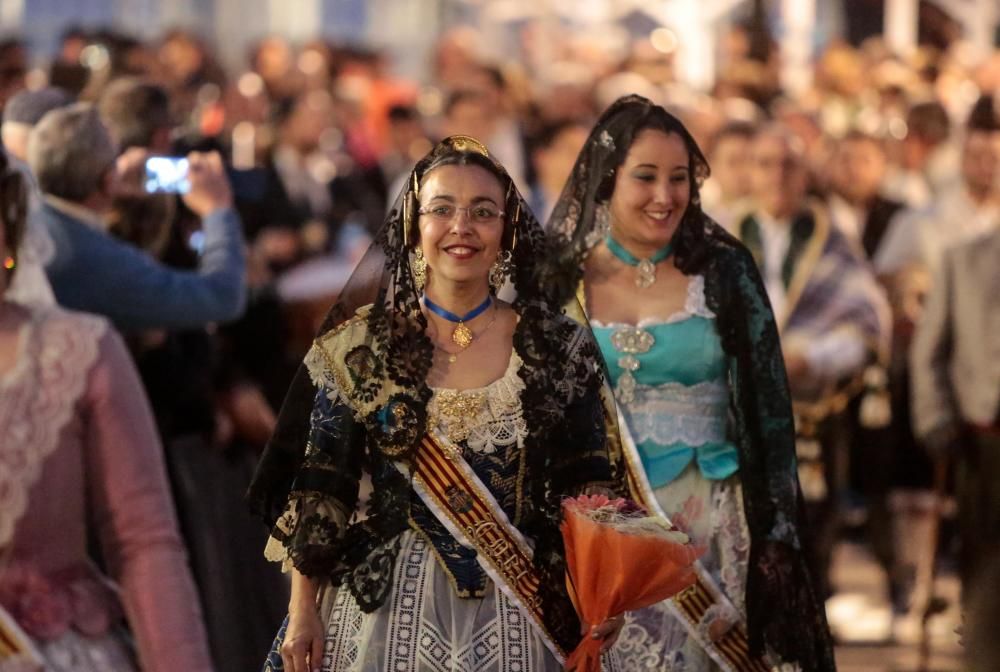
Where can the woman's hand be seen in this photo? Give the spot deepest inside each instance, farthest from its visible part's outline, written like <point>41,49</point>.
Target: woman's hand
<point>302,650</point>
<point>608,631</point>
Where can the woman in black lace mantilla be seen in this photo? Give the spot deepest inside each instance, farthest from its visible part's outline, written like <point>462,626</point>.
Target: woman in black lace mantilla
<point>679,310</point>
<point>516,390</point>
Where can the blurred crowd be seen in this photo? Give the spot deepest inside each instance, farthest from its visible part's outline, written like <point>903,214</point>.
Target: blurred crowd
<point>295,160</point>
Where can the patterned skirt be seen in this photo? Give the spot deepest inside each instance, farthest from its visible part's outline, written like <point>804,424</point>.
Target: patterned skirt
<point>424,626</point>
<point>711,513</point>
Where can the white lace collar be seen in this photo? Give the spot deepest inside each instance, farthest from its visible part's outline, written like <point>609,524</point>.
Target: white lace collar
<point>695,305</point>
<point>487,418</point>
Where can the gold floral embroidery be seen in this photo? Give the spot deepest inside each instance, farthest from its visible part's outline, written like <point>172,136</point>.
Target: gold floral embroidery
<point>456,412</point>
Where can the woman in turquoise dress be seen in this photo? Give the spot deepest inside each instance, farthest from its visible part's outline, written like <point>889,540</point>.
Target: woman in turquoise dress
<point>682,319</point>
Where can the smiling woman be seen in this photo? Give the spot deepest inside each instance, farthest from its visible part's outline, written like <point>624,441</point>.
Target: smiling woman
<point>680,314</point>
<point>466,418</point>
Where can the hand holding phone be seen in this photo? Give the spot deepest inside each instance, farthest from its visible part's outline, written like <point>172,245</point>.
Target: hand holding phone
<point>210,190</point>
<point>167,175</point>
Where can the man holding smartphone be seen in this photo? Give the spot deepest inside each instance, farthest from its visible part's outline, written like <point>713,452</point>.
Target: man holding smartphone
<point>74,161</point>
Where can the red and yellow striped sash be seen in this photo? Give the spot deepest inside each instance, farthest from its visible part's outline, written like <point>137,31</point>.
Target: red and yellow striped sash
<point>468,510</point>
<point>733,647</point>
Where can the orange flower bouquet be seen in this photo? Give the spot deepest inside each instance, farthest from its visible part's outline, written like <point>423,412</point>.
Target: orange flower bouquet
<point>619,558</point>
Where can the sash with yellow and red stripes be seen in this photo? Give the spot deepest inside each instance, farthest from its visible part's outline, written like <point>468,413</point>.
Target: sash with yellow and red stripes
<point>464,505</point>
<point>731,651</point>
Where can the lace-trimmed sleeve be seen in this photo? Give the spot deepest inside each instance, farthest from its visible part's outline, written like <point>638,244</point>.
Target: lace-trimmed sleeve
<point>324,494</point>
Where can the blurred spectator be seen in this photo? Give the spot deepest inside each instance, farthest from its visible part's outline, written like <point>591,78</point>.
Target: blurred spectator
<point>273,59</point>
<point>964,211</point>
<point>884,454</point>
<point>928,161</point>
<point>137,114</point>
<point>554,152</point>
<point>955,357</point>
<point>188,71</point>
<point>67,71</point>
<point>725,195</point>
<point>408,141</point>
<point>73,159</point>
<point>956,391</point>
<point>486,113</point>
<point>23,111</point>
<point>859,209</point>
<point>831,314</point>
<point>211,412</point>
<point>81,459</point>
<point>13,68</point>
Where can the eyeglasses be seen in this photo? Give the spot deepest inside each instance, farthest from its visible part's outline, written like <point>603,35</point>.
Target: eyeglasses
<point>478,214</point>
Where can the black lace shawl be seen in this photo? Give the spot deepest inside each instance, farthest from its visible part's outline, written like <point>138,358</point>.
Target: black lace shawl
<point>374,415</point>
<point>784,612</point>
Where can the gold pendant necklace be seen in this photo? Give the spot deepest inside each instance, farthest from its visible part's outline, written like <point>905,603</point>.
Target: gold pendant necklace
<point>466,334</point>
<point>462,336</point>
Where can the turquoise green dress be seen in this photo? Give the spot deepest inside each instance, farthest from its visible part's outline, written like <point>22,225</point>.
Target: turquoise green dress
<point>671,383</point>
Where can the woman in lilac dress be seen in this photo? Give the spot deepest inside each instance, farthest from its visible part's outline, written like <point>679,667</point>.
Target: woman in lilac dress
<point>80,459</point>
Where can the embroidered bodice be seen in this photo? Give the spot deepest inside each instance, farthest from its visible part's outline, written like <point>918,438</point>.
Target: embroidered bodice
<point>488,426</point>
<point>670,381</point>
<point>486,419</point>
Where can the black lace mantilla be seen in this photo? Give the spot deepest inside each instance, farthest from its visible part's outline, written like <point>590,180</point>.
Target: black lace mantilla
<point>784,614</point>
<point>368,406</point>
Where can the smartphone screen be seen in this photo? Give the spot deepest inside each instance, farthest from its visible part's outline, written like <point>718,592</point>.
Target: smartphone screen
<point>167,174</point>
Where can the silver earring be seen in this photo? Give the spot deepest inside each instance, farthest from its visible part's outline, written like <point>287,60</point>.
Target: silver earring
<point>501,268</point>
<point>418,266</point>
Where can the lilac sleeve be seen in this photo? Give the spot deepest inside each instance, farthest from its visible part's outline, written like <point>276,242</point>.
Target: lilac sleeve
<point>135,516</point>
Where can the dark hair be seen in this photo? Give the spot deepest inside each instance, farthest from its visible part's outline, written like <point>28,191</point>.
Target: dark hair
<point>733,129</point>
<point>134,110</point>
<point>28,107</point>
<point>494,74</point>
<point>456,98</point>
<point>13,207</point>
<point>548,133</point>
<point>655,118</point>
<point>456,157</point>
<point>617,130</point>
<point>984,116</point>
<point>929,121</point>
<point>401,112</point>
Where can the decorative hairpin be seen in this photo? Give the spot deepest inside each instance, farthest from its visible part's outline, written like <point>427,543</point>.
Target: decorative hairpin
<point>466,143</point>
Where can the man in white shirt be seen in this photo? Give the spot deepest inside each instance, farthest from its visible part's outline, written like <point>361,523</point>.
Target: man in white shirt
<point>856,174</point>
<point>724,195</point>
<point>831,314</point>
<point>791,231</point>
<point>929,157</point>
